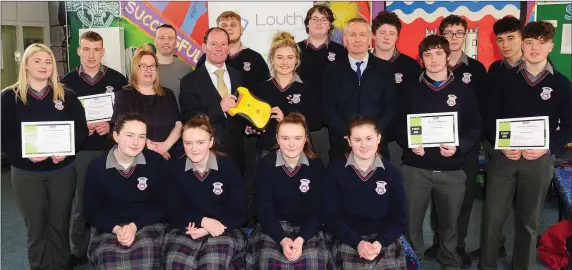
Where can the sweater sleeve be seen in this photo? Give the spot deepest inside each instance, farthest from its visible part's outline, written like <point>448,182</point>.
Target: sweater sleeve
<point>236,211</point>
<point>313,220</point>
<point>394,223</point>
<point>94,211</point>
<point>10,128</point>
<point>332,217</point>
<point>77,112</point>
<point>338,125</point>
<point>387,114</point>
<point>265,204</point>
<point>178,212</point>
<point>491,97</point>
<point>154,213</point>
<point>471,126</point>
<point>564,134</point>
<point>400,120</point>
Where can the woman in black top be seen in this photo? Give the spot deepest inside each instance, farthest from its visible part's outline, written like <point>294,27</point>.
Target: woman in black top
<point>285,92</point>
<point>44,185</point>
<point>157,104</point>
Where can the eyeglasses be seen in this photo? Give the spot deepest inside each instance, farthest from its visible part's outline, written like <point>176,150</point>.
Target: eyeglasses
<point>451,34</point>
<point>319,21</point>
<point>146,67</point>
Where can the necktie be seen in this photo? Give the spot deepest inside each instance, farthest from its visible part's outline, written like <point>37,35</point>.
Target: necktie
<point>358,70</point>
<point>220,85</point>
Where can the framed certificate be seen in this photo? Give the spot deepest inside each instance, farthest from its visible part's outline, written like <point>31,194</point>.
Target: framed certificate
<point>42,139</point>
<point>522,133</point>
<point>432,129</point>
<point>98,108</point>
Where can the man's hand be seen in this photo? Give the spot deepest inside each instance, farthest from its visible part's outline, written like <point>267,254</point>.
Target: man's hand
<point>58,159</point>
<point>447,150</point>
<point>228,102</point>
<point>37,159</point>
<point>512,154</point>
<point>102,128</point>
<point>419,150</point>
<point>533,154</point>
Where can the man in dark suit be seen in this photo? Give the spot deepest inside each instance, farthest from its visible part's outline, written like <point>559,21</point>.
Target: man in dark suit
<point>361,84</point>
<point>208,90</point>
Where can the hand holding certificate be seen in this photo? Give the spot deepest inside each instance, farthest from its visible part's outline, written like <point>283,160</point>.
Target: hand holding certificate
<point>98,108</point>
<point>432,129</point>
<point>522,133</point>
<point>44,139</point>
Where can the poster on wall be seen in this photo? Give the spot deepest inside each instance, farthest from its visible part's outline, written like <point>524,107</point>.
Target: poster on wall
<point>422,18</point>
<point>560,15</point>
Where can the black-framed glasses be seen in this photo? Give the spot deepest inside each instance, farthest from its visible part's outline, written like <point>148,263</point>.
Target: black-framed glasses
<point>451,34</point>
<point>146,67</point>
<point>319,20</point>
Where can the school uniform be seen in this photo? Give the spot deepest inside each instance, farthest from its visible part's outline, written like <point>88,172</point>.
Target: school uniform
<point>289,204</point>
<point>297,96</point>
<point>350,194</point>
<point>406,69</point>
<point>43,190</point>
<point>117,196</point>
<point>160,112</point>
<point>349,91</point>
<point>216,193</point>
<point>433,173</point>
<point>527,181</point>
<point>313,63</point>
<point>106,80</point>
<point>472,73</point>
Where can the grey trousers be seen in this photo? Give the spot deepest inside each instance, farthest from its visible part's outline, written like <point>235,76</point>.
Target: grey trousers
<point>447,189</point>
<point>321,143</point>
<point>470,168</point>
<point>45,201</point>
<point>527,182</point>
<point>488,150</point>
<point>79,232</point>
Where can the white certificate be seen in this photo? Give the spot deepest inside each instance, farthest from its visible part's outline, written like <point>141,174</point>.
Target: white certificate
<point>43,139</point>
<point>523,133</point>
<point>432,129</point>
<point>98,108</point>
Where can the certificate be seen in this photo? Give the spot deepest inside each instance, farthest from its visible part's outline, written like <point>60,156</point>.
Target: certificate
<point>42,139</point>
<point>98,108</point>
<point>522,133</point>
<point>432,129</point>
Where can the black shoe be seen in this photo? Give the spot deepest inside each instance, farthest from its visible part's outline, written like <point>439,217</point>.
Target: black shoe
<point>465,258</point>
<point>431,252</point>
<point>77,261</point>
<point>476,254</point>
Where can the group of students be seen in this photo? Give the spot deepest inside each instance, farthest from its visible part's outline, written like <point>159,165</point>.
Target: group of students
<point>183,177</point>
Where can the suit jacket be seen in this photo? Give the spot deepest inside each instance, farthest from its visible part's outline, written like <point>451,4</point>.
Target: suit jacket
<point>199,95</point>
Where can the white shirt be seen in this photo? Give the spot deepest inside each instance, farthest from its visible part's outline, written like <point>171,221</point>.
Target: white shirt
<point>211,70</point>
<point>354,61</point>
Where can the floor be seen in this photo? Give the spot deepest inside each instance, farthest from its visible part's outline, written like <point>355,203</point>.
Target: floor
<point>13,239</point>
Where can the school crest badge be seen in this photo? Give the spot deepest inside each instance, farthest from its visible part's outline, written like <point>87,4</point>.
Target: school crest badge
<point>331,56</point>
<point>380,188</point>
<point>398,77</point>
<point>246,66</point>
<point>452,101</point>
<point>294,98</point>
<point>142,185</point>
<point>545,95</point>
<point>217,188</point>
<point>109,89</point>
<point>59,105</point>
<point>467,77</point>
<point>304,185</point>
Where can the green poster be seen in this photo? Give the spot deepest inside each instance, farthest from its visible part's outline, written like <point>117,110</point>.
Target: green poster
<point>560,15</point>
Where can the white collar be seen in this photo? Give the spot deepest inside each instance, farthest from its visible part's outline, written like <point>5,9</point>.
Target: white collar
<point>212,68</point>
<point>353,61</point>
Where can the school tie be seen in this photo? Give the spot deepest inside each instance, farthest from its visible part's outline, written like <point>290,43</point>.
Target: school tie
<point>220,85</point>
<point>358,70</point>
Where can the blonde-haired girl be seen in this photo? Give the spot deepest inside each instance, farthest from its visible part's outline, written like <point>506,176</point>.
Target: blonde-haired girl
<point>44,187</point>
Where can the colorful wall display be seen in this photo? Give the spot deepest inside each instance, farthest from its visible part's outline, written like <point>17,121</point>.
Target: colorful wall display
<point>560,15</point>
<point>422,18</point>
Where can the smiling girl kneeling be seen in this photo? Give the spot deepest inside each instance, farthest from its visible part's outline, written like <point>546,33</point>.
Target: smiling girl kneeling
<point>289,202</point>
<point>207,206</point>
<point>365,204</point>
